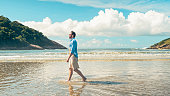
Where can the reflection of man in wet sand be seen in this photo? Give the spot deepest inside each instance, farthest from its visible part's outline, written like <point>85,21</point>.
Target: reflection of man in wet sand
<point>76,92</point>
<point>73,57</point>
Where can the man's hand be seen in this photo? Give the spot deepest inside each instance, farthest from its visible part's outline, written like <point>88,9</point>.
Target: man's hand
<point>69,57</point>
<point>68,60</point>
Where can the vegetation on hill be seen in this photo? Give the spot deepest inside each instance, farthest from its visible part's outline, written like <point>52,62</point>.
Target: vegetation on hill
<point>14,35</point>
<point>164,44</point>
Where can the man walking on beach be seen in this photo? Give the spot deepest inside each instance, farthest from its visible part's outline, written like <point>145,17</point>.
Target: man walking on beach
<point>73,57</point>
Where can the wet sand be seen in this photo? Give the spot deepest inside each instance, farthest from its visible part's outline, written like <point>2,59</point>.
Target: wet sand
<point>121,78</point>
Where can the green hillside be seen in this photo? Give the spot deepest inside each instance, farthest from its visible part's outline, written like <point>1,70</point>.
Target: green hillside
<point>14,35</point>
<point>164,44</point>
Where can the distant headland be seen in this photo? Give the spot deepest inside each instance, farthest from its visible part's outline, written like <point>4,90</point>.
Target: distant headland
<point>15,36</point>
<point>164,44</point>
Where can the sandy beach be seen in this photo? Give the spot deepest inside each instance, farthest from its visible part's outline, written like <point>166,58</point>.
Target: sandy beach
<point>105,78</point>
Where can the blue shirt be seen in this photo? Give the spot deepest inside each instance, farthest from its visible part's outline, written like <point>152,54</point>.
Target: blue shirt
<point>73,47</point>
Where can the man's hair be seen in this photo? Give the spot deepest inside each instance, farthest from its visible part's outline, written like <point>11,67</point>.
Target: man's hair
<point>73,33</point>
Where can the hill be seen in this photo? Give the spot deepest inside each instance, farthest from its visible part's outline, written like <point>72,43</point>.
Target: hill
<point>15,36</point>
<point>164,44</point>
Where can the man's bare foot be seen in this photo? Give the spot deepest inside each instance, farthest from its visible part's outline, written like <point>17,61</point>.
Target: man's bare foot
<point>84,79</point>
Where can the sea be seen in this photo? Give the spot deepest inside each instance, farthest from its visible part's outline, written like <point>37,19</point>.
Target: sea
<point>58,54</point>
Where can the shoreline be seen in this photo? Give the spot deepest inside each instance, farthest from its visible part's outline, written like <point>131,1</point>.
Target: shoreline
<point>88,60</point>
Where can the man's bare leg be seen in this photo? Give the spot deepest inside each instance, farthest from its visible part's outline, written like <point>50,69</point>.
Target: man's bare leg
<point>79,72</point>
<point>70,73</point>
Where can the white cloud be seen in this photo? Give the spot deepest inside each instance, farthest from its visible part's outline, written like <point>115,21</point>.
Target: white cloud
<point>96,43</point>
<point>93,43</point>
<point>108,23</point>
<point>150,23</point>
<point>135,41</point>
<point>63,42</point>
<point>107,41</point>
<point>136,5</point>
<point>49,29</point>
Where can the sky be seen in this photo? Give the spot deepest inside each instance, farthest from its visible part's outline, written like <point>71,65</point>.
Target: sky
<point>97,23</point>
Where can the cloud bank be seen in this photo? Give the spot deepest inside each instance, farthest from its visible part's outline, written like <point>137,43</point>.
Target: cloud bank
<point>108,23</point>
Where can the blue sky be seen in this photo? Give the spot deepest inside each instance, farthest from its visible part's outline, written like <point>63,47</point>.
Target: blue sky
<point>36,10</point>
<point>82,12</point>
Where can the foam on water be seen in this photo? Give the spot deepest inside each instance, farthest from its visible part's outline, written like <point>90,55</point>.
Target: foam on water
<point>83,54</point>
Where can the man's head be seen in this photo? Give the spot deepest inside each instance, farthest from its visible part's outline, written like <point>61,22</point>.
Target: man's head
<point>72,35</point>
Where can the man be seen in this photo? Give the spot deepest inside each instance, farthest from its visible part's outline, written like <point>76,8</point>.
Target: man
<point>73,57</point>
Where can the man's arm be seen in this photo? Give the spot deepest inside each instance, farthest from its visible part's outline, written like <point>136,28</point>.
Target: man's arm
<point>72,50</point>
<point>69,56</point>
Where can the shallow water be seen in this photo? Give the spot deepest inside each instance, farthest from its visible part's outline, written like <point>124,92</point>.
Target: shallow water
<point>104,78</point>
